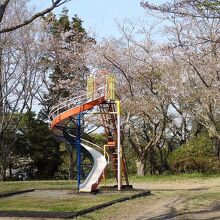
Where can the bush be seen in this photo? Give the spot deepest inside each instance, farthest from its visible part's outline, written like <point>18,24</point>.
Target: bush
<point>194,156</point>
<point>195,164</point>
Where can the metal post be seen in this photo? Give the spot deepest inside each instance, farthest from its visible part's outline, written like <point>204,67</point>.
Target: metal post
<point>78,145</point>
<point>104,172</point>
<point>119,145</point>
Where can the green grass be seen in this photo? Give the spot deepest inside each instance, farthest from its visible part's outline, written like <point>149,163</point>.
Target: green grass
<point>9,186</point>
<point>50,199</point>
<point>122,210</point>
<point>166,177</point>
<point>208,196</point>
<point>198,200</point>
<point>47,201</point>
<point>66,184</point>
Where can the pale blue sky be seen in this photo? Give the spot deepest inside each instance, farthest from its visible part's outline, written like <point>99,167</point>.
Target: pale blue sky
<point>99,15</point>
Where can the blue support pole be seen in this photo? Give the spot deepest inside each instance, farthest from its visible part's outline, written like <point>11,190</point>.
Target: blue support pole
<point>78,145</point>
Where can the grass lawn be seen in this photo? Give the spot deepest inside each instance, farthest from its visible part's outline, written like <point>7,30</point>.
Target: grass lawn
<point>23,185</point>
<point>179,177</point>
<point>180,193</point>
<point>56,200</point>
<point>54,195</point>
<point>66,184</point>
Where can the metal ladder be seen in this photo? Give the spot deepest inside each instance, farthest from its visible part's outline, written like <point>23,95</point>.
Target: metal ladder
<point>109,118</point>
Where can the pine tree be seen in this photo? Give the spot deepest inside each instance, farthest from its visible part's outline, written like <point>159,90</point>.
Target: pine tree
<point>69,43</point>
<point>36,152</point>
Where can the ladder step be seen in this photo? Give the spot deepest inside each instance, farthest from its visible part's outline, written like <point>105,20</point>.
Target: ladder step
<point>111,144</point>
<point>104,105</point>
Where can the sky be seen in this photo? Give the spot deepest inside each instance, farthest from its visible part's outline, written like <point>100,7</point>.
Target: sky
<point>100,16</point>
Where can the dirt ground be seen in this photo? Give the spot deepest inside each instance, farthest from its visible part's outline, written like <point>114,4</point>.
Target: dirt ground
<point>180,199</point>
<point>188,199</point>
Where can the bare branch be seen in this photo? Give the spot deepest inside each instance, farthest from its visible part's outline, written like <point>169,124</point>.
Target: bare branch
<point>180,9</point>
<point>3,6</point>
<point>55,4</point>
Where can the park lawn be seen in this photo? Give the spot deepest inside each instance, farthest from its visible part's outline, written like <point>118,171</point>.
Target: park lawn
<point>57,200</point>
<point>197,191</point>
<point>9,186</point>
<point>197,200</point>
<point>177,177</point>
<point>126,210</point>
<point>185,195</point>
<point>192,202</point>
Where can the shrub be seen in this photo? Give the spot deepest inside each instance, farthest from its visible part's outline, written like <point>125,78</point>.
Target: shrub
<point>195,164</point>
<point>194,156</point>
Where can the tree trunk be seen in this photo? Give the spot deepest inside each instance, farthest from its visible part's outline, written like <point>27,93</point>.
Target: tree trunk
<point>4,173</point>
<point>2,159</point>
<point>1,171</point>
<point>152,161</point>
<point>10,171</point>
<point>141,167</point>
<point>217,147</point>
<point>1,112</point>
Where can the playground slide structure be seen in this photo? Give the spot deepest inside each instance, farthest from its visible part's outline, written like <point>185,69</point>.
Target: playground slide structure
<point>100,95</point>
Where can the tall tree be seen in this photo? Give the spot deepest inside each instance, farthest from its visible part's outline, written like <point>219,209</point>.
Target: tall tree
<point>194,49</point>
<point>35,144</point>
<point>20,75</point>
<point>67,60</point>
<point>140,89</point>
<point>190,8</point>
<point>16,24</point>
<point>19,72</point>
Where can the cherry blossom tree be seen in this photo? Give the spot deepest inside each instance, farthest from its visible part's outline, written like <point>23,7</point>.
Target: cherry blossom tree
<point>193,48</point>
<point>21,74</point>
<point>140,88</point>
<point>14,24</point>
<point>187,8</point>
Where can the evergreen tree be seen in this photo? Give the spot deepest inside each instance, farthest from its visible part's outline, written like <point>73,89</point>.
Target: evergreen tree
<point>36,154</point>
<point>66,60</point>
<point>69,43</point>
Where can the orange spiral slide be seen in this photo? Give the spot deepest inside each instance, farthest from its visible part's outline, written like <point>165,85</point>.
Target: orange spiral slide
<point>60,117</point>
<point>66,111</point>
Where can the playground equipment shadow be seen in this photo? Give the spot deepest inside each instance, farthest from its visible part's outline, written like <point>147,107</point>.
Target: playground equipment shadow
<point>63,203</point>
